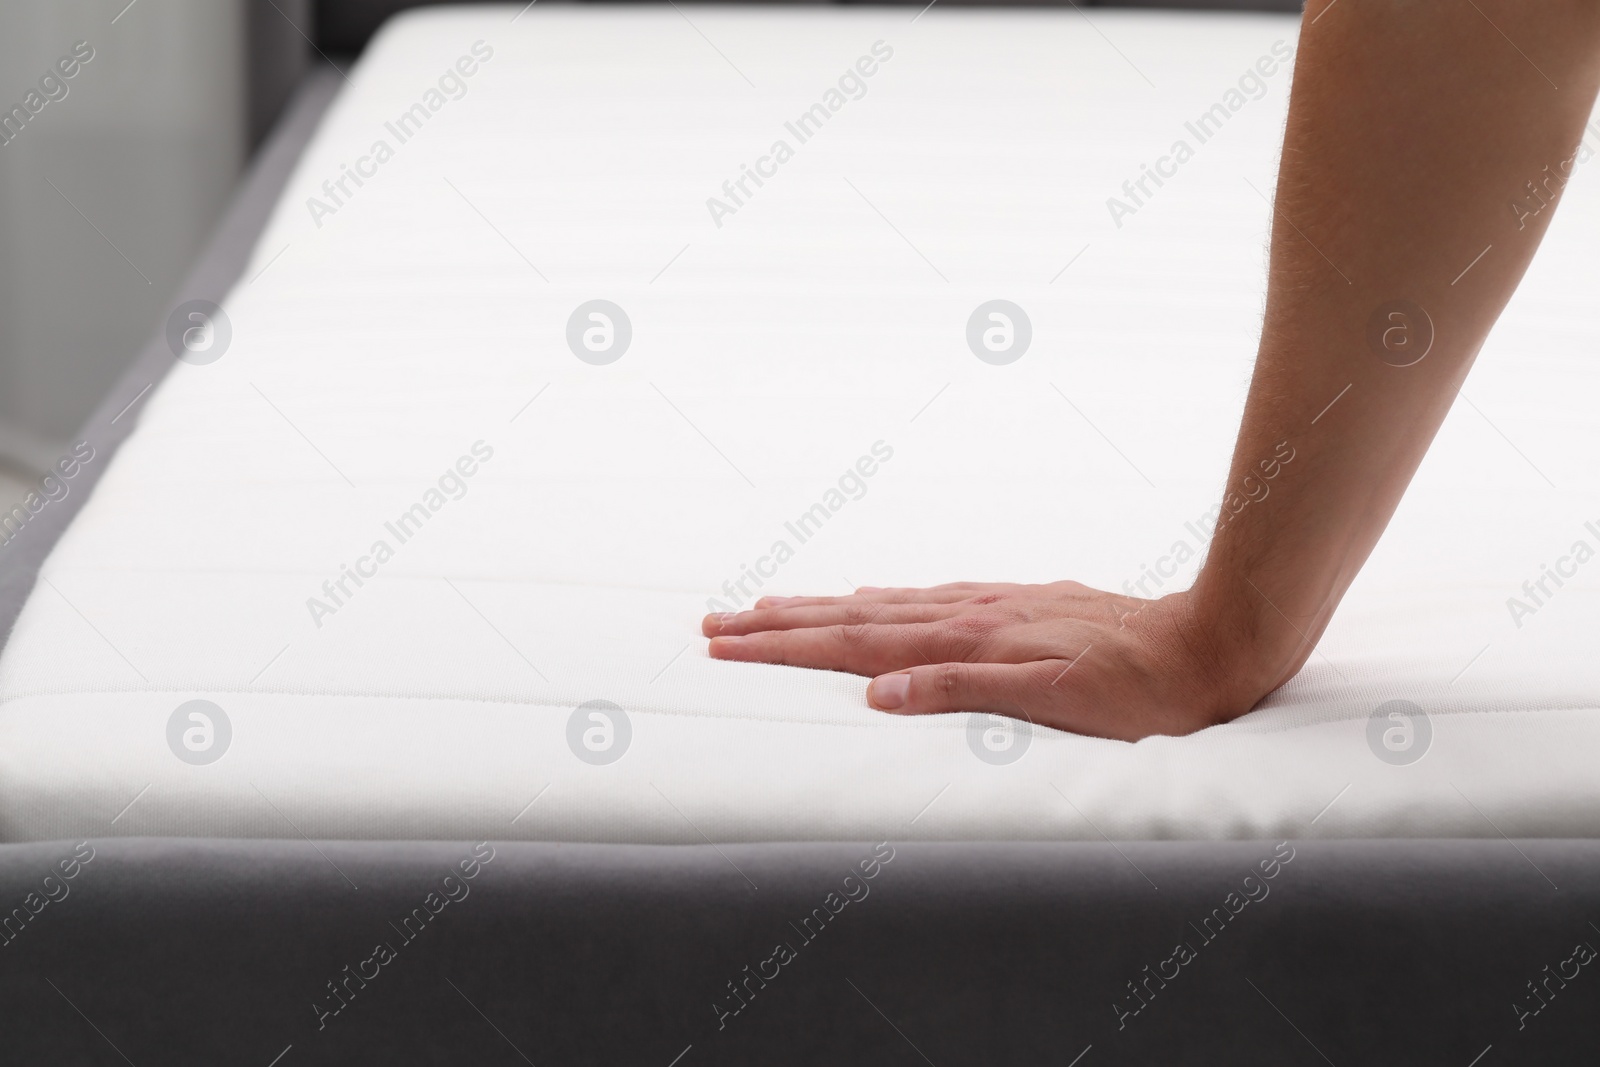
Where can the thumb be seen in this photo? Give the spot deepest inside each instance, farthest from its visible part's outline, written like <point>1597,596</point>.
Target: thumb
<point>1002,688</point>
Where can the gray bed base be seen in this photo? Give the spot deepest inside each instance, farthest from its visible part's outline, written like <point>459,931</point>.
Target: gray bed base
<point>285,954</point>
<point>160,951</point>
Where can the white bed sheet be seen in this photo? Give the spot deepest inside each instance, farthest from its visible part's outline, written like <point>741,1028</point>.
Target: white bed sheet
<point>375,345</point>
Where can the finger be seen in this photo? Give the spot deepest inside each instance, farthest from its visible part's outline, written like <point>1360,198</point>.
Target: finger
<point>1014,689</point>
<point>936,595</point>
<point>942,594</point>
<point>866,650</point>
<point>737,624</point>
<point>1054,693</point>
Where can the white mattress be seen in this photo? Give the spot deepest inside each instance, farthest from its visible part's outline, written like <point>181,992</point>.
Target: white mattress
<point>768,354</point>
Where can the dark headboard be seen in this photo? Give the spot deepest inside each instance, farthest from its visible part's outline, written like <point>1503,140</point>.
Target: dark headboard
<point>279,48</point>
<point>286,35</point>
<point>346,25</point>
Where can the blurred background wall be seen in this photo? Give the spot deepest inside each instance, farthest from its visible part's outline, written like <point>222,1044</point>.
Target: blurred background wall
<point>106,193</point>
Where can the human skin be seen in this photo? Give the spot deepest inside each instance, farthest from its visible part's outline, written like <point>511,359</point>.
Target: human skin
<point>1413,125</point>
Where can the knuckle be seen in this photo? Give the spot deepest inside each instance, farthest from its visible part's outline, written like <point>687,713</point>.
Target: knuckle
<point>851,635</point>
<point>858,614</point>
<point>948,679</point>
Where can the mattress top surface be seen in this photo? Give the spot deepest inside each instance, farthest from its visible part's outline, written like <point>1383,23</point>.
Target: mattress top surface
<point>574,324</point>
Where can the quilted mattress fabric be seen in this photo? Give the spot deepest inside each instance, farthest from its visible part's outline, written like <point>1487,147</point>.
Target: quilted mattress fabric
<point>576,323</point>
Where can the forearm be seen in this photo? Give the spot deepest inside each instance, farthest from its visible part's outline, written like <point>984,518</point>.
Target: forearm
<point>1414,127</point>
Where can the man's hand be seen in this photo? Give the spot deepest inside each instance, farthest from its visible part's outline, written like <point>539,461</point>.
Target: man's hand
<point>1060,655</point>
<point>1418,137</point>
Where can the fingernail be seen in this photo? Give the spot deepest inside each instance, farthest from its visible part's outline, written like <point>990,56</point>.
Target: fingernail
<point>722,619</point>
<point>775,601</point>
<point>869,588</point>
<point>889,692</point>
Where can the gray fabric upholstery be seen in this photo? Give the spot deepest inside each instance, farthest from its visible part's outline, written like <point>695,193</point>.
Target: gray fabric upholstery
<point>1381,952</point>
